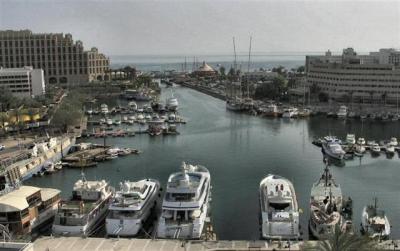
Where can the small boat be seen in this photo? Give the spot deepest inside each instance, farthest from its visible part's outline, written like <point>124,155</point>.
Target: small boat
<point>172,104</point>
<point>140,110</point>
<point>109,122</point>
<point>104,109</point>
<point>375,149</point>
<point>117,122</point>
<point>359,150</point>
<point>155,127</point>
<point>363,116</point>
<point>350,139</point>
<point>290,113</point>
<point>390,150</point>
<point>271,110</point>
<point>372,116</point>
<point>374,222</point>
<point>171,118</point>
<point>132,118</point>
<point>131,207</point>
<point>393,141</point>
<point>89,112</point>
<point>361,141</point>
<point>148,117</point>
<point>385,117</point>
<point>304,113</point>
<point>132,106</point>
<point>112,156</point>
<point>333,150</point>
<point>234,105</point>
<point>102,121</point>
<point>396,117</point>
<point>279,209</point>
<point>148,109</point>
<point>342,112</point>
<point>130,121</point>
<point>125,119</point>
<point>351,115</point>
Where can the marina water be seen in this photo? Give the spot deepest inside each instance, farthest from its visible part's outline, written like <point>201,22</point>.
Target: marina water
<point>239,150</point>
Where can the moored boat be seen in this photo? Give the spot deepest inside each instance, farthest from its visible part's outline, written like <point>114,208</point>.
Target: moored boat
<point>186,203</point>
<point>131,207</point>
<point>279,209</point>
<point>85,210</point>
<point>374,222</point>
<point>325,206</point>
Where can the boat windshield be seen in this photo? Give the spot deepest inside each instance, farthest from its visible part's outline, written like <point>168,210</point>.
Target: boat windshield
<point>180,196</point>
<point>118,214</point>
<point>282,206</point>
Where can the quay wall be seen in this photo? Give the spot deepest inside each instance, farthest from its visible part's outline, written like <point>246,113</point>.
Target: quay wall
<point>203,90</point>
<point>89,244</point>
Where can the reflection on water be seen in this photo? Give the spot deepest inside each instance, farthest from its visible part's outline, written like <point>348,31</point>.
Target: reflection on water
<point>239,150</point>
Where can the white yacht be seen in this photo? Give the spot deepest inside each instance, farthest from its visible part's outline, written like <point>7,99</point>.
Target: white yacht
<point>351,139</point>
<point>342,112</point>
<point>109,122</point>
<point>104,108</point>
<point>132,106</point>
<point>172,103</point>
<point>359,150</point>
<point>185,205</point>
<point>325,206</point>
<point>131,206</point>
<point>361,141</point>
<point>375,149</point>
<point>374,222</point>
<point>290,113</point>
<point>393,141</point>
<point>279,209</point>
<point>234,104</point>
<point>85,211</point>
<point>333,150</point>
<point>390,150</point>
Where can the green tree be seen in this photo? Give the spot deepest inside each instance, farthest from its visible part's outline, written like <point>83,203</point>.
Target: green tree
<point>222,71</point>
<point>346,241</point>
<point>300,69</point>
<point>271,90</point>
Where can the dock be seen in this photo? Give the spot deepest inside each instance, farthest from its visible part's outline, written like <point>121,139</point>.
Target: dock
<point>77,243</point>
<point>88,154</point>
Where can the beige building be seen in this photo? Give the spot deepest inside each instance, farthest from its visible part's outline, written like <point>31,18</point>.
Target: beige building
<point>62,60</point>
<point>364,77</point>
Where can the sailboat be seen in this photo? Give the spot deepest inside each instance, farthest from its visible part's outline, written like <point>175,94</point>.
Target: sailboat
<point>234,103</point>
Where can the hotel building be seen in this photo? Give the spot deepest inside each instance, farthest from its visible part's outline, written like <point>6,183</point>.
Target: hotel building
<point>62,59</point>
<point>362,77</point>
<point>23,82</point>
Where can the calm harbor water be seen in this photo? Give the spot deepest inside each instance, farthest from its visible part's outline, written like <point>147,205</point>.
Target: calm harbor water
<point>239,150</point>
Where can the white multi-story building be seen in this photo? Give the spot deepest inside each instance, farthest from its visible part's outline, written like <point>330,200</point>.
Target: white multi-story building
<point>23,82</point>
<point>360,77</point>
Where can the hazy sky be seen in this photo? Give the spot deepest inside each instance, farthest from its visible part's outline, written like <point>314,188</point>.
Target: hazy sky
<point>207,27</point>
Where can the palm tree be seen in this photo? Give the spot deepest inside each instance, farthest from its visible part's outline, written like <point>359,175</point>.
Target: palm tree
<point>346,241</point>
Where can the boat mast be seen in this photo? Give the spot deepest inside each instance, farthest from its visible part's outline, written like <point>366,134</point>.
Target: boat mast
<point>248,71</point>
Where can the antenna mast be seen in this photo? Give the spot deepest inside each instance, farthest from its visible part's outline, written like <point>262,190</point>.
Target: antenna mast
<point>248,70</point>
<point>234,52</point>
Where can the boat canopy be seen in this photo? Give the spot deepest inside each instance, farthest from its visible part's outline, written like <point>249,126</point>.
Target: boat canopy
<point>16,200</point>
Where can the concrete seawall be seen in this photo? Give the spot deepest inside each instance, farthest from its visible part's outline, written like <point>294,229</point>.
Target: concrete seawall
<point>203,90</point>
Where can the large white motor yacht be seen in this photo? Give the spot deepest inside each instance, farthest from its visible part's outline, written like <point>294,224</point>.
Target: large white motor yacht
<point>85,211</point>
<point>279,209</point>
<point>185,205</point>
<point>131,206</point>
<point>325,206</point>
